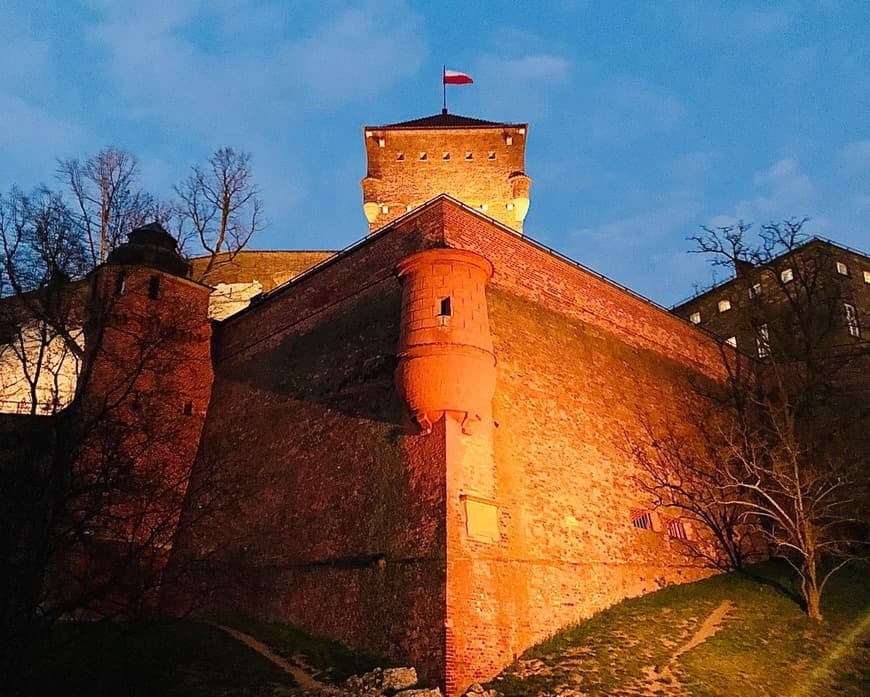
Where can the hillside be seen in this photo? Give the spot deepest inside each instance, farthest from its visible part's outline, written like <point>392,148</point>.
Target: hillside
<point>728,635</point>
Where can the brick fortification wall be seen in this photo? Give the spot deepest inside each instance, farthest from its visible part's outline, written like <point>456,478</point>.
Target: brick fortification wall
<point>458,549</point>
<point>582,365</point>
<point>312,507</point>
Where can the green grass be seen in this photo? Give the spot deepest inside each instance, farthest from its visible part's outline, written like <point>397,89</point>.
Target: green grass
<point>765,646</point>
<point>183,659</point>
<point>328,661</point>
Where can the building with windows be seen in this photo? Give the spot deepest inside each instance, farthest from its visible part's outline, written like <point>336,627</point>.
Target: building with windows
<point>817,294</point>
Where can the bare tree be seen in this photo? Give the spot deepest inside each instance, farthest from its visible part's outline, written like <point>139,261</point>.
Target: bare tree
<point>42,255</point>
<point>688,473</point>
<point>789,457</point>
<point>107,200</point>
<point>219,206</point>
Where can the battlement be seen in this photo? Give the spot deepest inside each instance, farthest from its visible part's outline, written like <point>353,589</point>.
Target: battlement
<point>481,163</point>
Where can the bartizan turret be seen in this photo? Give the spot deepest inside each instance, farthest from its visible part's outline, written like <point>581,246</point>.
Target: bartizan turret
<point>481,163</point>
<point>446,362</point>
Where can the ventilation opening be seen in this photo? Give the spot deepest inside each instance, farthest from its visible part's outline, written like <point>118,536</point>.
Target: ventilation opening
<point>188,408</point>
<point>445,156</point>
<point>400,156</point>
<point>154,287</point>
<point>469,156</point>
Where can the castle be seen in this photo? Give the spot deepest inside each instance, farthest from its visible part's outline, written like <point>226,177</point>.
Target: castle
<point>424,436</point>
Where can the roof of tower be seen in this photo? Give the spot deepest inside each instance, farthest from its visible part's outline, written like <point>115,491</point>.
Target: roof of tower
<point>150,245</point>
<point>445,120</point>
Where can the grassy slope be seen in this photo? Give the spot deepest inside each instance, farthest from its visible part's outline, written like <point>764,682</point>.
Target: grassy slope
<point>765,646</point>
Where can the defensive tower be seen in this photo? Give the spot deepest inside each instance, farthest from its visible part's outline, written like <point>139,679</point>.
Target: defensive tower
<point>147,383</point>
<point>481,163</point>
<point>446,361</point>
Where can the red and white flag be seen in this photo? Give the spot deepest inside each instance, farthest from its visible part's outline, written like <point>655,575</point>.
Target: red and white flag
<point>454,77</point>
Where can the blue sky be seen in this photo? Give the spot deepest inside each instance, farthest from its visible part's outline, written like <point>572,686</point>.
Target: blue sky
<point>646,119</point>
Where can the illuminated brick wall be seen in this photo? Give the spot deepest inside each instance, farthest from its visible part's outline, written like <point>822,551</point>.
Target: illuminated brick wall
<point>482,167</point>
<point>457,549</point>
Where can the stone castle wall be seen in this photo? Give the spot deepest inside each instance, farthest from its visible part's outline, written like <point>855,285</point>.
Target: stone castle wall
<point>457,549</point>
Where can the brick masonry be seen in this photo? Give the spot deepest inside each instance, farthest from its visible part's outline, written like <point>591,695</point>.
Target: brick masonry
<point>456,549</point>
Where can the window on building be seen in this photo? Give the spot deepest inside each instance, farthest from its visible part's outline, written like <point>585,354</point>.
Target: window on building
<point>731,341</point>
<point>444,308</point>
<point>491,155</point>
<point>400,157</point>
<point>188,408</point>
<point>842,269</point>
<point>867,277</point>
<point>154,287</point>
<point>385,209</point>
<point>423,156</point>
<point>677,529</point>
<point>851,319</point>
<point>445,156</point>
<point>755,290</point>
<point>120,283</point>
<point>695,318</point>
<point>762,341</point>
<point>642,519</point>
<point>724,305</point>
<point>469,156</point>
<point>787,275</point>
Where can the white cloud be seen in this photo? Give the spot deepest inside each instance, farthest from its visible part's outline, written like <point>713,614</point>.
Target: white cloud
<point>164,65</point>
<point>856,154</point>
<point>548,68</point>
<point>631,110</point>
<point>758,23</point>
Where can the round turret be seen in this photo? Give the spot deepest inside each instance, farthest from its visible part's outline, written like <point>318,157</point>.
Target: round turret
<point>152,246</point>
<point>446,361</point>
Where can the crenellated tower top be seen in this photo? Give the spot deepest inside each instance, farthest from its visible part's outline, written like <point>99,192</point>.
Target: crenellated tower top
<point>481,163</point>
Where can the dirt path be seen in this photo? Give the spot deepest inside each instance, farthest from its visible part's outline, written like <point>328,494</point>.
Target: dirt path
<point>710,626</point>
<point>662,680</point>
<point>303,679</point>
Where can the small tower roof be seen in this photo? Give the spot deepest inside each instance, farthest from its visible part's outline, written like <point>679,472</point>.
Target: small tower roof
<point>150,245</point>
<point>445,120</point>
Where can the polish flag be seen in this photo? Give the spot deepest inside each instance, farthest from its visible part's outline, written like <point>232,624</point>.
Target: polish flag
<point>454,77</point>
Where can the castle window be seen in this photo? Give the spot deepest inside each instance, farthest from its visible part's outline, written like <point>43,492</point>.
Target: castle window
<point>755,290</point>
<point>509,206</point>
<point>677,529</point>
<point>469,156</point>
<point>867,277</point>
<point>508,139</point>
<point>731,341</point>
<point>787,275</point>
<point>188,408</point>
<point>851,319</point>
<point>120,283</point>
<point>762,341</point>
<point>695,318</point>
<point>423,156</point>
<point>642,519</point>
<point>385,209</point>
<point>842,269</point>
<point>381,142</point>
<point>154,287</point>
<point>724,305</point>
<point>445,309</point>
<point>483,207</point>
<point>491,155</point>
<point>400,157</point>
<point>445,156</point>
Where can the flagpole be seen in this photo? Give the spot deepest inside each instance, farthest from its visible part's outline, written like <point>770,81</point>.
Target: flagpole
<point>444,88</point>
